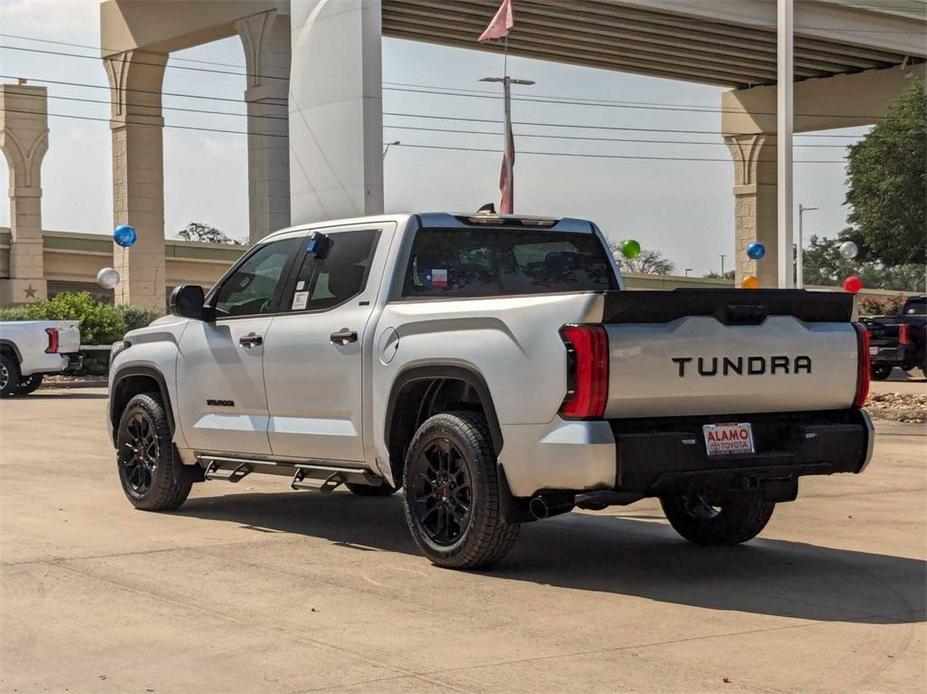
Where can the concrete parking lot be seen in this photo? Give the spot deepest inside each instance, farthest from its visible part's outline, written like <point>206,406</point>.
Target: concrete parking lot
<point>253,587</point>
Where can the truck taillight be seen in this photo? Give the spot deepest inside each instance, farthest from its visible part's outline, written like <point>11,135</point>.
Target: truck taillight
<point>863,365</point>
<point>52,340</point>
<point>903,337</point>
<point>587,371</point>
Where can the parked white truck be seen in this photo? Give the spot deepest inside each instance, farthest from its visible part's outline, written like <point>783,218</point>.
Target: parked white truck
<point>31,349</point>
<point>496,369</point>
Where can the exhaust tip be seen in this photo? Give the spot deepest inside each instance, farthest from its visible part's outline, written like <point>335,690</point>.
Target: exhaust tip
<point>538,508</point>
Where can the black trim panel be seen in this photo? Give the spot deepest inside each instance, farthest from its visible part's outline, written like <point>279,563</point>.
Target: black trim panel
<point>729,306</point>
<point>438,371</point>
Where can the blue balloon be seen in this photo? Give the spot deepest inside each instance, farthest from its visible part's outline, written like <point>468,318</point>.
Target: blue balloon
<point>756,250</point>
<point>125,235</point>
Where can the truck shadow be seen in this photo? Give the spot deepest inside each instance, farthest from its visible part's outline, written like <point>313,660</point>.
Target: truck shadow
<point>624,556</point>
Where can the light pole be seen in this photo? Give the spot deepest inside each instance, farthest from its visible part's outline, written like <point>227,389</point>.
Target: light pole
<point>799,266</point>
<point>508,139</point>
<point>723,256</point>
<point>688,270</point>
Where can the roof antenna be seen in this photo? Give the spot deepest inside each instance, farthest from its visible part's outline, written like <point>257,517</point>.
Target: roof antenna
<point>488,208</point>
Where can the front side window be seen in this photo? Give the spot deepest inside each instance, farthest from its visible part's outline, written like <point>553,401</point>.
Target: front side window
<point>249,290</point>
<point>323,283</point>
<point>500,262</point>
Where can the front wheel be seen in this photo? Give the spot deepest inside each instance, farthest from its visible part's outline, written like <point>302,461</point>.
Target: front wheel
<point>28,384</point>
<point>452,500</point>
<point>152,476</point>
<point>880,373</point>
<point>739,518</point>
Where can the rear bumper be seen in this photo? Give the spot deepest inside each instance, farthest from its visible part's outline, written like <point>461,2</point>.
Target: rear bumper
<point>668,455</point>
<point>888,356</point>
<point>52,364</point>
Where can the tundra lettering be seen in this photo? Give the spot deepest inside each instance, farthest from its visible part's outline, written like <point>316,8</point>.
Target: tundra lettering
<point>756,366</point>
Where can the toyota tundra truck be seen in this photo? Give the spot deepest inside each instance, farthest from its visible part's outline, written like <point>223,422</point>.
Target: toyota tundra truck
<point>496,369</point>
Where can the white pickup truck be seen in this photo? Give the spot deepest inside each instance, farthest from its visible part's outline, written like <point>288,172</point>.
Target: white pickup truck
<point>30,349</point>
<point>498,371</point>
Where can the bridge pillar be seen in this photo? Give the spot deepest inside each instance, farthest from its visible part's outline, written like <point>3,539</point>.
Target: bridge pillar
<point>135,79</point>
<point>755,206</point>
<point>265,38</point>
<point>24,141</point>
<point>336,109</point>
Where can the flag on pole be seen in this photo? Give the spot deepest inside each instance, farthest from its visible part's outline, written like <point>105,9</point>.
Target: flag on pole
<point>501,22</point>
<point>506,184</point>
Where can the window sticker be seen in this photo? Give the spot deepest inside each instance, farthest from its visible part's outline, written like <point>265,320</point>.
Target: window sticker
<point>439,278</point>
<point>300,301</point>
<point>301,285</point>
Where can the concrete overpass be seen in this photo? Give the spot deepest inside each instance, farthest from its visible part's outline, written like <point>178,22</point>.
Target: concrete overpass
<point>314,68</point>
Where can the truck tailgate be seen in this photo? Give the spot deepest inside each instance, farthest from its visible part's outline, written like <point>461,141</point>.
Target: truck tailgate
<point>68,336</point>
<point>697,352</point>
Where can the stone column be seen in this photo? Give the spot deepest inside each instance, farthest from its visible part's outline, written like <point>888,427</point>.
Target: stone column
<point>336,110</point>
<point>755,206</point>
<point>135,79</point>
<point>266,41</point>
<point>24,141</point>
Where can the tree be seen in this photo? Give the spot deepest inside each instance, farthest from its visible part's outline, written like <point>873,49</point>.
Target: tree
<point>887,184</point>
<point>203,233</point>
<point>646,263</point>
<point>729,275</point>
<point>823,265</point>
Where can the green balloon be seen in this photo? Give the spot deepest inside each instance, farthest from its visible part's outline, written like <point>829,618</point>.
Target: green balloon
<point>630,249</point>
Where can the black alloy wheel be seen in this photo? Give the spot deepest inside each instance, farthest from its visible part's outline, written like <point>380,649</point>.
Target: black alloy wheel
<point>440,492</point>
<point>139,453</point>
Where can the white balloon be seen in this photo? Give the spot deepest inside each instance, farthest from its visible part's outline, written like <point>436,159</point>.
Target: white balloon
<point>849,250</point>
<point>108,278</point>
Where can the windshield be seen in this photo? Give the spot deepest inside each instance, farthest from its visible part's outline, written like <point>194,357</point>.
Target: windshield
<point>500,262</point>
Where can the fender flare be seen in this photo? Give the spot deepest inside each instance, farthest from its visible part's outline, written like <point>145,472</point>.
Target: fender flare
<point>13,348</point>
<point>446,371</point>
<point>149,372</point>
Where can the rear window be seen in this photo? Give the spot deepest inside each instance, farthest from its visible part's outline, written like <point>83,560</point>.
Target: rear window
<point>494,262</point>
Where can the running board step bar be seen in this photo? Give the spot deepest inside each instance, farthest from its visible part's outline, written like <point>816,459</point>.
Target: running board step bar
<point>319,475</point>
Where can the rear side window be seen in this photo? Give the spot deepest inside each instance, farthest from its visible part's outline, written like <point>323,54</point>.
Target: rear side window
<point>500,262</point>
<point>916,307</point>
<point>323,283</point>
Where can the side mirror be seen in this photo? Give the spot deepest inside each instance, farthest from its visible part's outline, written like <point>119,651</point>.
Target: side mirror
<point>188,301</point>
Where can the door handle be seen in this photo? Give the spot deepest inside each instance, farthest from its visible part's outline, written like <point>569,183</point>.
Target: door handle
<point>250,340</point>
<point>343,336</point>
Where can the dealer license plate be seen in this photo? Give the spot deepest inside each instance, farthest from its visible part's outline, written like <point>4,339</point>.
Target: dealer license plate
<point>728,439</point>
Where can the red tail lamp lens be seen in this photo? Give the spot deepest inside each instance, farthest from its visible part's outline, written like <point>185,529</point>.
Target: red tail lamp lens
<point>587,371</point>
<point>52,340</point>
<point>864,364</point>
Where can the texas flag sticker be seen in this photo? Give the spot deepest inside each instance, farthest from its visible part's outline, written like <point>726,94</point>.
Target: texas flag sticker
<point>439,278</point>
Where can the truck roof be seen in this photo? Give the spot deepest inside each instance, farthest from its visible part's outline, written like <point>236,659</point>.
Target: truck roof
<point>453,220</point>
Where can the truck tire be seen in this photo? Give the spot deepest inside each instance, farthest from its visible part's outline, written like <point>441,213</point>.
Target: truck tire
<point>152,475</point>
<point>29,384</point>
<point>740,518</point>
<point>367,490</point>
<point>880,373</point>
<point>452,500</point>
<point>9,375</point>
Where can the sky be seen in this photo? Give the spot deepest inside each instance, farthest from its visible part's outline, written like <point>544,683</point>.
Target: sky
<point>683,209</point>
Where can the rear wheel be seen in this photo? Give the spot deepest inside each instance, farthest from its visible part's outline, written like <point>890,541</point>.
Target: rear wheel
<point>452,499</point>
<point>28,384</point>
<point>739,518</point>
<point>9,375</point>
<point>367,490</point>
<point>880,373</point>
<point>152,476</point>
